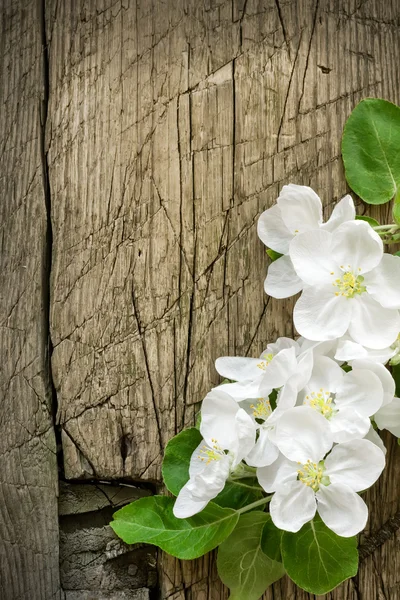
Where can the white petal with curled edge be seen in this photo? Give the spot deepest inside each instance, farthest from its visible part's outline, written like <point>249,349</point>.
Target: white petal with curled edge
<point>375,438</point>
<point>386,379</point>
<point>278,472</point>
<point>300,207</point>
<point>319,315</point>
<point>383,282</point>
<point>292,505</point>
<point>218,419</point>
<point>272,231</point>
<point>372,325</point>
<point>341,509</point>
<point>348,350</point>
<point>357,247</point>
<point>347,424</point>
<point>303,434</point>
<point>246,436</point>
<point>264,452</point>
<point>238,368</point>
<point>311,255</point>
<point>281,367</point>
<point>282,343</point>
<point>326,374</point>
<point>362,390</point>
<point>186,506</point>
<point>282,280</point>
<point>242,390</point>
<point>343,211</point>
<point>305,363</point>
<point>357,464</point>
<point>202,488</point>
<point>388,417</point>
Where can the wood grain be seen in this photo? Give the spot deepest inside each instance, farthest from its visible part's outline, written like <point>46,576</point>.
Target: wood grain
<point>171,126</point>
<point>28,465</point>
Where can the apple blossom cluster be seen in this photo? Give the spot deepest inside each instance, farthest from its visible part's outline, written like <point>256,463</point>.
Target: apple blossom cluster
<point>302,419</point>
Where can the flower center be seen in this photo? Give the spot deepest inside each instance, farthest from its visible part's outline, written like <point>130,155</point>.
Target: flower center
<point>208,454</point>
<point>262,409</point>
<point>321,401</point>
<point>266,359</point>
<point>350,284</point>
<point>312,474</point>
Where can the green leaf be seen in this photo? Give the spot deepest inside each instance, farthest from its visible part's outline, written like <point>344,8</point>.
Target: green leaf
<point>175,472</point>
<point>237,494</point>
<point>273,255</point>
<point>175,466</point>
<point>241,563</point>
<point>317,559</point>
<point>370,220</point>
<point>370,149</point>
<point>271,540</point>
<point>151,521</point>
<point>396,208</point>
<point>396,377</point>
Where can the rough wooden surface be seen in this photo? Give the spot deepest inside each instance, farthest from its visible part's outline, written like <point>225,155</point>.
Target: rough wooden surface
<point>171,126</point>
<point>28,467</point>
<point>94,564</point>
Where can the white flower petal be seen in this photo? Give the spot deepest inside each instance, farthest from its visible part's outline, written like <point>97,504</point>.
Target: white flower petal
<point>349,350</point>
<point>357,247</point>
<point>320,315</point>
<point>238,368</point>
<point>357,464</point>
<point>186,506</point>
<point>282,280</point>
<point>292,505</point>
<point>388,417</point>
<point>362,390</point>
<point>371,324</point>
<point>272,230</point>
<point>326,374</point>
<point>246,436</point>
<point>300,378</point>
<point>202,488</point>
<point>218,419</point>
<point>343,211</point>
<point>287,396</point>
<point>282,343</point>
<point>383,282</point>
<point>303,434</point>
<point>375,438</point>
<point>264,452</point>
<point>348,424</point>
<point>278,472</point>
<point>386,379</point>
<point>341,509</point>
<point>281,367</point>
<point>242,390</point>
<point>311,255</point>
<point>300,207</point>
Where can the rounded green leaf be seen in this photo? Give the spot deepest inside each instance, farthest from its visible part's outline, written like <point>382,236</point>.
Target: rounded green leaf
<point>175,466</point>
<point>369,220</point>
<point>370,149</point>
<point>271,540</point>
<point>317,559</point>
<point>241,563</point>
<point>151,521</point>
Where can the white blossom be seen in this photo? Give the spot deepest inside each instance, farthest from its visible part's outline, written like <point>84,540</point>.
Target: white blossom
<point>310,476</point>
<point>298,209</point>
<point>229,435</point>
<point>350,286</point>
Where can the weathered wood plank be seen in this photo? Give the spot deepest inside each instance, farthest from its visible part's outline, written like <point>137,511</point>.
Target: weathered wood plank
<point>28,466</point>
<point>173,126</point>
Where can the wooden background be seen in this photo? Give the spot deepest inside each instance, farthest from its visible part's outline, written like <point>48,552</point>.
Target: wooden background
<point>140,141</point>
